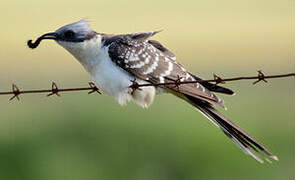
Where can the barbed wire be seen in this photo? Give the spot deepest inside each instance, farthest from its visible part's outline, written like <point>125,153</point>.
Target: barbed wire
<point>16,92</point>
<point>54,90</point>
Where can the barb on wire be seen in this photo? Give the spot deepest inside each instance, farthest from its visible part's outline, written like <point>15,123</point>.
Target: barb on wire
<point>16,92</point>
<point>218,80</point>
<point>54,90</point>
<point>261,77</point>
<point>134,86</point>
<point>94,88</point>
<point>177,82</point>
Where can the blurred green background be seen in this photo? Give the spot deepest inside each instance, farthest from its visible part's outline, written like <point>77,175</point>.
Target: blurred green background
<point>80,136</point>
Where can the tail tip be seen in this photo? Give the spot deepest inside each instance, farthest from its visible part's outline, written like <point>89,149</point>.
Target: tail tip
<point>274,157</point>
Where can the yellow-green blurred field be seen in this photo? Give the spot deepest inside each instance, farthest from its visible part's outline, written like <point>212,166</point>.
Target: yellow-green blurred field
<point>80,136</point>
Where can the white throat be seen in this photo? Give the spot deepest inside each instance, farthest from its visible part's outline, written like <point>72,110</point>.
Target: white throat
<point>88,53</point>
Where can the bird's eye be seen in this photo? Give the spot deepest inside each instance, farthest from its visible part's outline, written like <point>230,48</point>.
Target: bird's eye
<point>69,34</point>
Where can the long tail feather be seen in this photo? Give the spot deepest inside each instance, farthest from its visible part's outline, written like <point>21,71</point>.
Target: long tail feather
<point>242,139</point>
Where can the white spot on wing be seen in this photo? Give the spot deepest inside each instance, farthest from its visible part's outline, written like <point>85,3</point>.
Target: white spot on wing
<point>133,58</point>
<point>147,60</point>
<point>162,80</point>
<point>138,65</point>
<point>151,68</point>
<point>167,59</point>
<point>203,89</point>
<point>187,76</point>
<point>169,70</point>
<point>157,58</point>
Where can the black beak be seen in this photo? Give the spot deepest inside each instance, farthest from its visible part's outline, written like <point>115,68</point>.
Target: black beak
<point>35,44</point>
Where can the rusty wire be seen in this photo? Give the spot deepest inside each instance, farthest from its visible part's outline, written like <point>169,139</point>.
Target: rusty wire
<point>54,90</point>
<point>16,92</point>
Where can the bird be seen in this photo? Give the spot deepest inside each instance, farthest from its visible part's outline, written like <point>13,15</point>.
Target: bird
<point>115,61</point>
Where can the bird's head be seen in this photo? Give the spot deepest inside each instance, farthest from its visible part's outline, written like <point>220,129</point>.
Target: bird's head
<point>72,36</point>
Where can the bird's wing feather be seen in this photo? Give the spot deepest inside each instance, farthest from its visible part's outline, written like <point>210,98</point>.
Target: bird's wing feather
<point>150,61</point>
